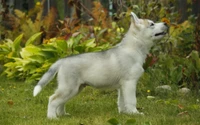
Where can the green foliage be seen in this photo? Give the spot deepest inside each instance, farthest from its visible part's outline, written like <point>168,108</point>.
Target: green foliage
<point>182,38</point>
<point>33,38</point>
<point>172,69</point>
<point>113,121</point>
<point>31,23</point>
<point>23,23</point>
<point>10,48</point>
<point>130,122</point>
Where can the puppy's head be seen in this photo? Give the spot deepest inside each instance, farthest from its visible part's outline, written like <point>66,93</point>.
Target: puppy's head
<point>147,29</point>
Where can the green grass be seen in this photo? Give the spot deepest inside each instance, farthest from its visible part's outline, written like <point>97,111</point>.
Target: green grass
<point>92,107</point>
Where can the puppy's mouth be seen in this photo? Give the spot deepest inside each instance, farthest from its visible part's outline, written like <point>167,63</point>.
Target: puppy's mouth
<point>161,33</point>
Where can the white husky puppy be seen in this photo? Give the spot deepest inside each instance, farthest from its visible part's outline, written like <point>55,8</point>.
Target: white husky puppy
<point>119,67</point>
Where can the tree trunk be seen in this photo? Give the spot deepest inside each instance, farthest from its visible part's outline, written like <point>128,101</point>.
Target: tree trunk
<point>18,4</point>
<point>196,7</point>
<point>47,6</point>
<point>88,5</point>
<point>67,9</point>
<point>196,12</point>
<point>31,4</point>
<point>182,8</point>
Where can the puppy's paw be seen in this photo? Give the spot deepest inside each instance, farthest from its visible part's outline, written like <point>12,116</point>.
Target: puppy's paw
<point>133,112</point>
<point>52,116</point>
<point>67,114</point>
<point>140,113</point>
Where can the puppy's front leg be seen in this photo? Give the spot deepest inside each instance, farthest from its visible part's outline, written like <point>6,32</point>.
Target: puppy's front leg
<point>129,96</point>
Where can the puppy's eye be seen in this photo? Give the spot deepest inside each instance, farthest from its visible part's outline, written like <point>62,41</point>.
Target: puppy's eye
<point>152,24</point>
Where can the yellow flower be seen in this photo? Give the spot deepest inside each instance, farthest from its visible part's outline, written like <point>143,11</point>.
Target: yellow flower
<point>38,3</point>
<point>109,30</point>
<point>148,91</point>
<point>45,41</point>
<point>122,30</point>
<point>118,30</point>
<point>97,28</point>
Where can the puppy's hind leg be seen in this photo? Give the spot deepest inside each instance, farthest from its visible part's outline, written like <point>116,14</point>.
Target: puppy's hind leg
<point>54,101</point>
<point>61,107</point>
<point>120,102</point>
<point>56,106</point>
<point>61,110</point>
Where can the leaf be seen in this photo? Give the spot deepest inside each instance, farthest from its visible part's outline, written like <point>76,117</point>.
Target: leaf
<point>10,70</point>
<point>130,122</point>
<point>180,107</point>
<point>77,39</point>
<point>49,48</point>
<point>30,67</point>
<point>70,42</point>
<point>6,46</point>
<point>176,74</point>
<point>195,107</point>
<point>185,113</point>
<point>195,57</point>
<point>62,45</point>
<point>10,102</point>
<point>49,51</point>
<point>19,13</point>
<point>101,32</point>
<point>113,121</point>
<point>48,54</point>
<point>37,58</point>
<point>90,43</point>
<point>33,38</point>
<point>29,51</point>
<point>147,123</point>
<point>16,43</point>
<point>79,49</point>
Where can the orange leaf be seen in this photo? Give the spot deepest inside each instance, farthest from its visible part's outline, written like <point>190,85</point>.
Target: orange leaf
<point>180,107</point>
<point>166,21</point>
<point>10,102</point>
<point>183,113</point>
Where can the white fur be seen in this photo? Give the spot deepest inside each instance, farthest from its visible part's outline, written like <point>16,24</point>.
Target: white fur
<point>119,67</point>
<point>37,90</point>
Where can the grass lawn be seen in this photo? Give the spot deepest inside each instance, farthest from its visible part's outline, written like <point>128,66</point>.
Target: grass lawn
<point>92,107</point>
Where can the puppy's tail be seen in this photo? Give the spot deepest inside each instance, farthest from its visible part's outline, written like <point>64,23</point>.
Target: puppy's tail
<point>47,77</point>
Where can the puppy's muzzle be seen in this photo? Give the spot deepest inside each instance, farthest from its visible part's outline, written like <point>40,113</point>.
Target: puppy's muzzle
<point>165,30</point>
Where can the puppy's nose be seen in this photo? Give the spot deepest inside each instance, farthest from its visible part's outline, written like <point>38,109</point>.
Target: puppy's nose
<point>166,24</point>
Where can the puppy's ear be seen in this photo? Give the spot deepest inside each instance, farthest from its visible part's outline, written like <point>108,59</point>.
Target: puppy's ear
<point>134,18</point>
